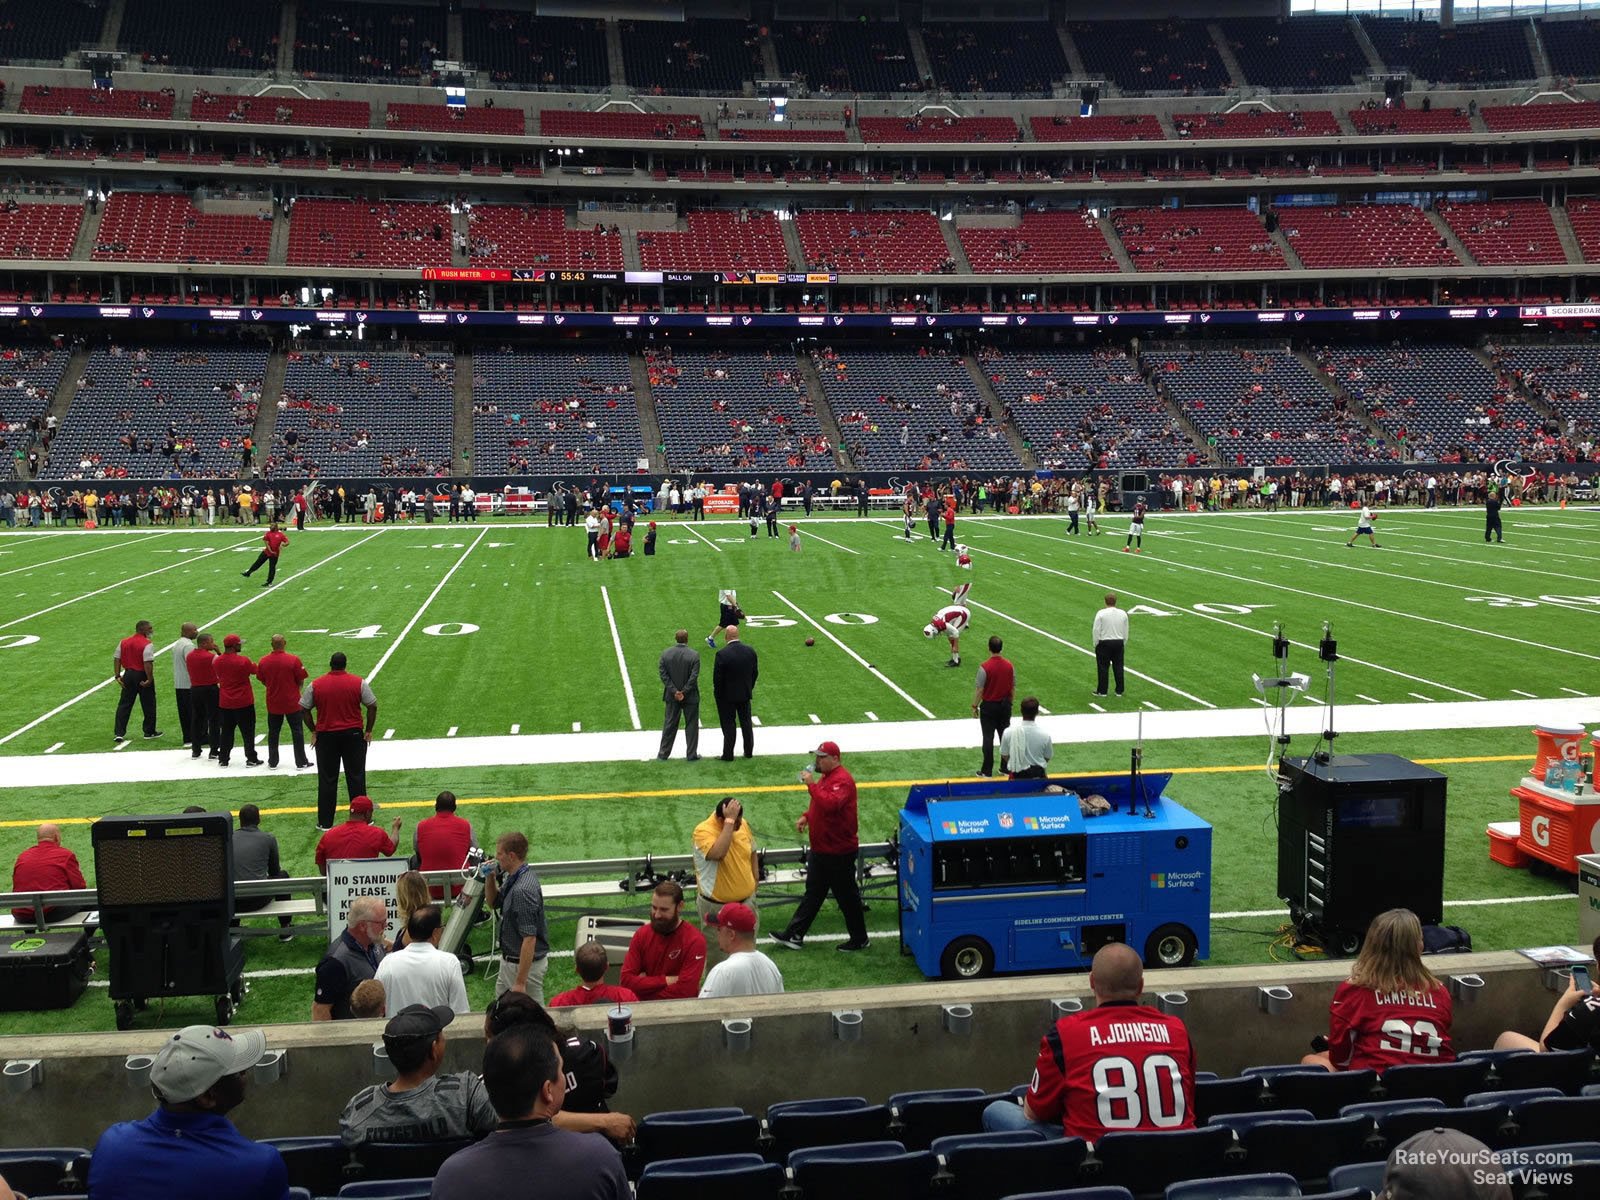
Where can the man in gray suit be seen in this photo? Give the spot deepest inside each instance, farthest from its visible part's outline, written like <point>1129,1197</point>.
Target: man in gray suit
<point>680,688</point>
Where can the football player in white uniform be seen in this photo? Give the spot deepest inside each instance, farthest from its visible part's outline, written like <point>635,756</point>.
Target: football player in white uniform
<point>950,621</point>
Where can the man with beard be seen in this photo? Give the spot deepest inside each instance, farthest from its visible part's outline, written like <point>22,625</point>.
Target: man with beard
<point>666,957</point>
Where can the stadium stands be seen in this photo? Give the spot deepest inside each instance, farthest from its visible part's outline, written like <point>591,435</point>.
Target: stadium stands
<point>368,41</point>
<point>780,133</point>
<point>1364,235</point>
<point>853,57</point>
<point>1506,232</point>
<point>159,414</point>
<point>1087,409</point>
<point>38,230</point>
<point>1196,239</point>
<point>1042,242</point>
<point>695,55</point>
<point>910,411</point>
<point>46,101</point>
<point>355,414</point>
<point>47,30</point>
<point>622,126</point>
<point>1152,56</point>
<point>1406,121</point>
<point>536,52</point>
<point>1584,214</point>
<point>515,235</point>
<point>339,233</point>
<point>938,129</point>
<point>1021,57</point>
<point>1306,52</point>
<point>1515,118</point>
<point>716,241</point>
<point>436,118</point>
<point>156,227</point>
<point>200,36</point>
<point>28,379</point>
<point>279,110</point>
<point>736,411</point>
<point>1257,123</point>
<point>864,243</point>
<point>1567,378</point>
<point>554,412</point>
<point>1479,52</point>
<point>1573,46</point>
<point>1143,127</point>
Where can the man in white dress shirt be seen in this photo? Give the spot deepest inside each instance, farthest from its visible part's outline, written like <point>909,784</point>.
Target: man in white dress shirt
<point>746,971</point>
<point>1110,639</point>
<point>420,972</point>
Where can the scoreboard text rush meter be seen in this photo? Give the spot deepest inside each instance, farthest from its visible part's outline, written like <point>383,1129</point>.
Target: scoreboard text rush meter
<point>1004,876</point>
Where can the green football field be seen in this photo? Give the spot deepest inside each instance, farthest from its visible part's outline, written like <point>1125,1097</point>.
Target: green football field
<point>514,671</point>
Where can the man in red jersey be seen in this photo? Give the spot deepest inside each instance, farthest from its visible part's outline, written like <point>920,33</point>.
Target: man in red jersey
<point>358,837</point>
<point>283,674</point>
<point>275,540</point>
<point>338,698</point>
<point>205,723</point>
<point>666,957</point>
<point>236,700</point>
<point>131,669</point>
<point>591,962</point>
<point>991,700</point>
<point>1116,1067</point>
<point>831,822</point>
<point>442,841</point>
<point>46,866</point>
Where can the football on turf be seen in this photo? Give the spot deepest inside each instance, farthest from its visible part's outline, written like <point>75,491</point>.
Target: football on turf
<point>811,641</point>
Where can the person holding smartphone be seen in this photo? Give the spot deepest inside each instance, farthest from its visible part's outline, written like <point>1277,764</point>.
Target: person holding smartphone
<point>1574,1022</point>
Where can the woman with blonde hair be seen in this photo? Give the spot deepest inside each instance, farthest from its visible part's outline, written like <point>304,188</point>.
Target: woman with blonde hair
<point>1392,1010</point>
<point>410,893</point>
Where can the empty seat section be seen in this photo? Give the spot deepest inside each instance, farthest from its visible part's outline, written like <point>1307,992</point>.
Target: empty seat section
<point>736,411</point>
<point>716,241</point>
<point>552,412</point>
<point>1516,117</point>
<point>1081,410</point>
<point>46,29</point>
<point>516,235</point>
<point>1302,52</point>
<point>1573,46</point>
<point>1042,242</point>
<point>159,414</point>
<point>1152,56</point>
<point>623,126</point>
<point>376,233</point>
<point>848,56</point>
<point>46,101</point>
<point>28,379</point>
<point>363,415</point>
<point>938,129</point>
<point>865,243</point>
<point>909,411</point>
<point>1471,52</point>
<point>280,110</point>
<point>38,230</point>
<point>368,41</point>
<point>437,118</point>
<point>241,35</point>
<point>1130,127</point>
<point>1506,232</point>
<point>1255,123</point>
<point>1364,235</point>
<point>150,227</point>
<point>1584,214</point>
<point>1196,239</point>
<point>995,56</point>
<point>779,133</point>
<point>694,55</point>
<point>1406,121</point>
<point>539,52</point>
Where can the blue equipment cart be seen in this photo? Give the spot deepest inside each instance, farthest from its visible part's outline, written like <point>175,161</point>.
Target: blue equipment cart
<point>1003,876</point>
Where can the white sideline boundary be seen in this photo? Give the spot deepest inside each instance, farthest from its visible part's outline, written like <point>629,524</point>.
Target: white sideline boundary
<point>794,741</point>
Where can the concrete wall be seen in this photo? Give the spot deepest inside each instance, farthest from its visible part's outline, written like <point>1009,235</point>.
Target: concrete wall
<point>679,1060</point>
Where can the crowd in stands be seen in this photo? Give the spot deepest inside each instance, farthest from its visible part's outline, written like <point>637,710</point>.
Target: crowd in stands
<point>735,411</point>
<point>368,41</point>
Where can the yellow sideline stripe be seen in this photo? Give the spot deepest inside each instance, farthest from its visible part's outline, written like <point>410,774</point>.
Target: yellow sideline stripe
<point>763,789</point>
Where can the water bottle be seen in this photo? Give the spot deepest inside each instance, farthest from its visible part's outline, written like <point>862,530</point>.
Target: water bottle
<point>1570,777</point>
<point>1553,775</point>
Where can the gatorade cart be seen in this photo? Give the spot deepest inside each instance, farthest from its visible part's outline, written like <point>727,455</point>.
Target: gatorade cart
<point>1004,876</point>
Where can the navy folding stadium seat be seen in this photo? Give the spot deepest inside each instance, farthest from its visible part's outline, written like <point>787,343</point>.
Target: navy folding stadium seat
<point>1569,1119</point>
<point>1368,1175</point>
<point>387,1189</point>
<point>317,1164</point>
<point>1374,1109</point>
<point>1323,1092</point>
<point>943,1147</point>
<point>1083,1193</point>
<point>39,1169</point>
<point>990,1170</point>
<point>1271,1071</point>
<point>418,1160</point>
<point>695,1133</point>
<point>1238,1122</point>
<point>865,1169</point>
<point>1308,1150</point>
<point>1513,1098</point>
<point>1149,1161</point>
<point>1568,1070</point>
<point>923,1116</point>
<point>1450,1082</point>
<point>748,1176</point>
<point>795,1124</point>
<point>1484,1122</point>
<point>1232,1187</point>
<point>1577,1162</point>
<point>1226,1095</point>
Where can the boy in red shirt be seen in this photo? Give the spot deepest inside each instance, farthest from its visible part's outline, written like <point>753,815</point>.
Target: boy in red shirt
<point>591,962</point>
<point>275,540</point>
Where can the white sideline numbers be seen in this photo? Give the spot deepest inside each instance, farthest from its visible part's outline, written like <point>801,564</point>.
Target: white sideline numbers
<point>774,621</point>
<point>443,629</point>
<point>850,619</point>
<point>1210,610</point>
<point>1128,1097</point>
<point>1420,1038</point>
<point>1520,602</point>
<point>12,641</point>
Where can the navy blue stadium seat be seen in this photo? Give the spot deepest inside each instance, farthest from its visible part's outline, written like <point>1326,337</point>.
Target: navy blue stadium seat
<point>695,1133</point>
<point>1147,1162</point>
<point>1323,1092</point>
<point>863,1168</point>
<point>1483,1122</point>
<point>1569,1119</point>
<point>315,1163</point>
<point>388,1189</point>
<point>1368,1175</point>
<point>944,1146</point>
<point>1230,1187</point>
<point>1375,1109</point>
<point>923,1116</point>
<point>837,1121</point>
<point>1308,1150</point>
<point>1206,1077</point>
<point>1592,1089</point>
<point>1275,1069</point>
<point>1242,1121</point>
<point>419,1160</point>
<point>40,1169</point>
<point>1567,1070</point>
<point>1083,1193</point>
<point>1226,1095</point>
<point>992,1170</point>
<point>1512,1099</point>
<point>748,1176</point>
<point>1450,1082</point>
<point>1354,1193</point>
<point>299,1194</point>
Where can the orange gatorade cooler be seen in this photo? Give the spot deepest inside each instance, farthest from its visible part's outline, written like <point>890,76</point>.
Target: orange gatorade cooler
<point>1557,743</point>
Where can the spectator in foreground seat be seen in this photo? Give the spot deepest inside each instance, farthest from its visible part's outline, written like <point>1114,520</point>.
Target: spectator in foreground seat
<point>421,973</point>
<point>1445,1164</point>
<point>1118,1066</point>
<point>255,856</point>
<point>591,1079</point>
<point>46,866</point>
<point>591,961</point>
<point>358,837</point>
<point>188,1149</point>
<point>420,1104</point>
<point>1574,1022</point>
<point>368,1001</point>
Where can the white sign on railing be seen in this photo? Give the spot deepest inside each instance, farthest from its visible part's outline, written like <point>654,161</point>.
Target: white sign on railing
<point>349,878</point>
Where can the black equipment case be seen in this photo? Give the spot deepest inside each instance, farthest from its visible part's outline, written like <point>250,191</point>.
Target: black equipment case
<point>40,971</point>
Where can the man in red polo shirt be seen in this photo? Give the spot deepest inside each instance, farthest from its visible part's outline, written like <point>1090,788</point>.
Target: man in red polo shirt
<point>442,841</point>
<point>205,723</point>
<point>667,956</point>
<point>47,866</point>
<point>283,674</point>
<point>236,700</point>
<point>991,700</point>
<point>338,698</point>
<point>275,539</point>
<point>358,837</point>
<point>131,670</point>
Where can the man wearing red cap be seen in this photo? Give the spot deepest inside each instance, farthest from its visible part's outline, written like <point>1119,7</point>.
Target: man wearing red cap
<point>236,700</point>
<point>745,971</point>
<point>831,821</point>
<point>358,837</point>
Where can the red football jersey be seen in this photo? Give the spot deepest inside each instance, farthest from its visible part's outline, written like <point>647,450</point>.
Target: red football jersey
<point>1117,1067</point>
<point>1374,1029</point>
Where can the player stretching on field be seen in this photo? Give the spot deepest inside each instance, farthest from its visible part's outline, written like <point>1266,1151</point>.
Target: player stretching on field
<point>1135,540</point>
<point>1364,525</point>
<point>950,621</point>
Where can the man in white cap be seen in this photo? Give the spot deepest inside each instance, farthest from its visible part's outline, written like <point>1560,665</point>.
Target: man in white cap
<point>188,1149</point>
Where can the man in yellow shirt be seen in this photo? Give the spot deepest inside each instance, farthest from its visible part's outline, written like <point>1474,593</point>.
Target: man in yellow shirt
<point>91,504</point>
<point>725,863</point>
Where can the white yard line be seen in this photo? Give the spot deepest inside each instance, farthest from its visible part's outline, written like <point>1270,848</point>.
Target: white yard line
<point>259,595</point>
<point>417,616</point>
<point>1370,700</point>
<point>807,533</point>
<point>83,553</point>
<point>1420,696</point>
<point>703,538</point>
<point>1525,695</point>
<point>871,670</point>
<point>622,661</point>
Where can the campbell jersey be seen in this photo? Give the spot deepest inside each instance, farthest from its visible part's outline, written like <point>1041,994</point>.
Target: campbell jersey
<point>1117,1067</point>
<point>1368,1028</point>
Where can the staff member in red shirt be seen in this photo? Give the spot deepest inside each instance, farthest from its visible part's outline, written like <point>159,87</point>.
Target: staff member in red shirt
<point>205,722</point>
<point>831,821</point>
<point>283,674</point>
<point>991,700</point>
<point>275,539</point>
<point>337,699</point>
<point>47,866</point>
<point>666,957</point>
<point>236,701</point>
<point>131,669</point>
<point>442,841</point>
<point>949,542</point>
<point>358,837</point>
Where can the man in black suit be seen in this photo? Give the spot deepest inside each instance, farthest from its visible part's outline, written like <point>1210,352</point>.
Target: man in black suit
<point>733,682</point>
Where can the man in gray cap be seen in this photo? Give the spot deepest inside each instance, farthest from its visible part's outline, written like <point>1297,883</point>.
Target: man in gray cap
<point>188,1149</point>
<point>420,1105</point>
<point>1445,1164</point>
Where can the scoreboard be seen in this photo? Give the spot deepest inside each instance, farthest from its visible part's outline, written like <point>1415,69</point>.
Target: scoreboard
<point>562,275</point>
